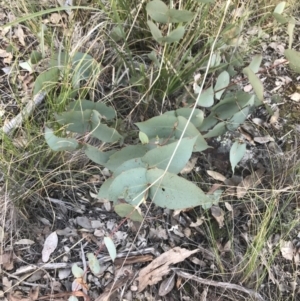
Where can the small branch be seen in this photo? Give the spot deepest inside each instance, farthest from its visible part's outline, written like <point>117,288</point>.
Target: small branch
<point>225,285</point>
<point>25,113</point>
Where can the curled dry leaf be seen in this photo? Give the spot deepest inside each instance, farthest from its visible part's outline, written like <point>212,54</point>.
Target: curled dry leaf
<point>160,266</point>
<point>199,222</point>
<point>6,260</point>
<point>167,285</point>
<point>274,118</point>
<point>264,139</point>
<point>228,206</point>
<point>49,246</point>
<point>216,175</point>
<point>287,249</point>
<point>189,166</point>
<point>20,35</point>
<point>295,96</point>
<point>248,88</point>
<point>246,135</point>
<point>249,182</point>
<point>218,214</point>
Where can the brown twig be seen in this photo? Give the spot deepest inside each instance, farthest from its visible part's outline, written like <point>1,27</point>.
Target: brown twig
<point>225,285</point>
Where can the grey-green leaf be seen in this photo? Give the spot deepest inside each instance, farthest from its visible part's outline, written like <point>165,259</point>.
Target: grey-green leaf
<point>177,16</point>
<point>279,18</point>
<point>197,117</point>
<point>105,133</point>
<point>293,57</point>
<point>125,154</point>
<point>110,247</point>
<point>103,191</point>
<point>126,210</point>
<point>191,131</point>
<point>255,63</point>
<point>238,118</point>
<point>174,36</point>
<point>175,192</point>
<point>161,126</point>
<point>76,121</point>
<point>160,156</point>
<point>158,11</point>
<point>218,130</point>
<point>280,7</point>
<point>93,263</point>
<point>129,186</point>
<point>46,80</point>
<point>255,82</point>
<point>236,154</point>
<point>222,82</point>
<point>59,144</point>
<point>130,164</point>
<point>96,155</point>
<point>154,31</point>
<point>143,138</point>
<point>77,271</point>
<point>206,98</point>
<point>81,105</point>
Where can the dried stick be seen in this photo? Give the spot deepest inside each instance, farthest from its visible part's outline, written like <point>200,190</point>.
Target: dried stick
<point>25,113</point>
<point>226,285</point>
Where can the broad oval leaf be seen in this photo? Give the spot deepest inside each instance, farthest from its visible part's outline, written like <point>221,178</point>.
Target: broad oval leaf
<point>238,118</point>
<point>236,154</point>
<point>83,104</point>
<point>154,31</point>
<point>128,185</point>
<point>143,138</point>
<point>93,264</point>
<point>125,154</point>
<point>96,155</point>
<point>197,117</point>
<point>110,247</point>
<point>126,210</point>
<point>77,271</point>
<point>206,99</point>
<point>255,82</point>
<point>104,189</point>
<point>158,11</point>
<point>209,122</point>
<point>59,144</point>
<point>280,18</point>
<point>255,63</point>
<point>174,36</point>
<point>76,121</point>
<point>105,133</point>
<point>46,80</point>
<point>293,57</point>
<point>174,192</point>
<point>222,82</point>
<point>160,156</point>
<point>130,164</point>
<point>161,126</point>
<point>84,66</point>
<point>280,7</point>
<point>191,131</point>
<point>177,16</point>
<point>26,66</point>
<point>218,130</point>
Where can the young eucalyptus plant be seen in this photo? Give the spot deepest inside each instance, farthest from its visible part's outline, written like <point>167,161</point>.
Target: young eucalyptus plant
<point>151,168</point>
